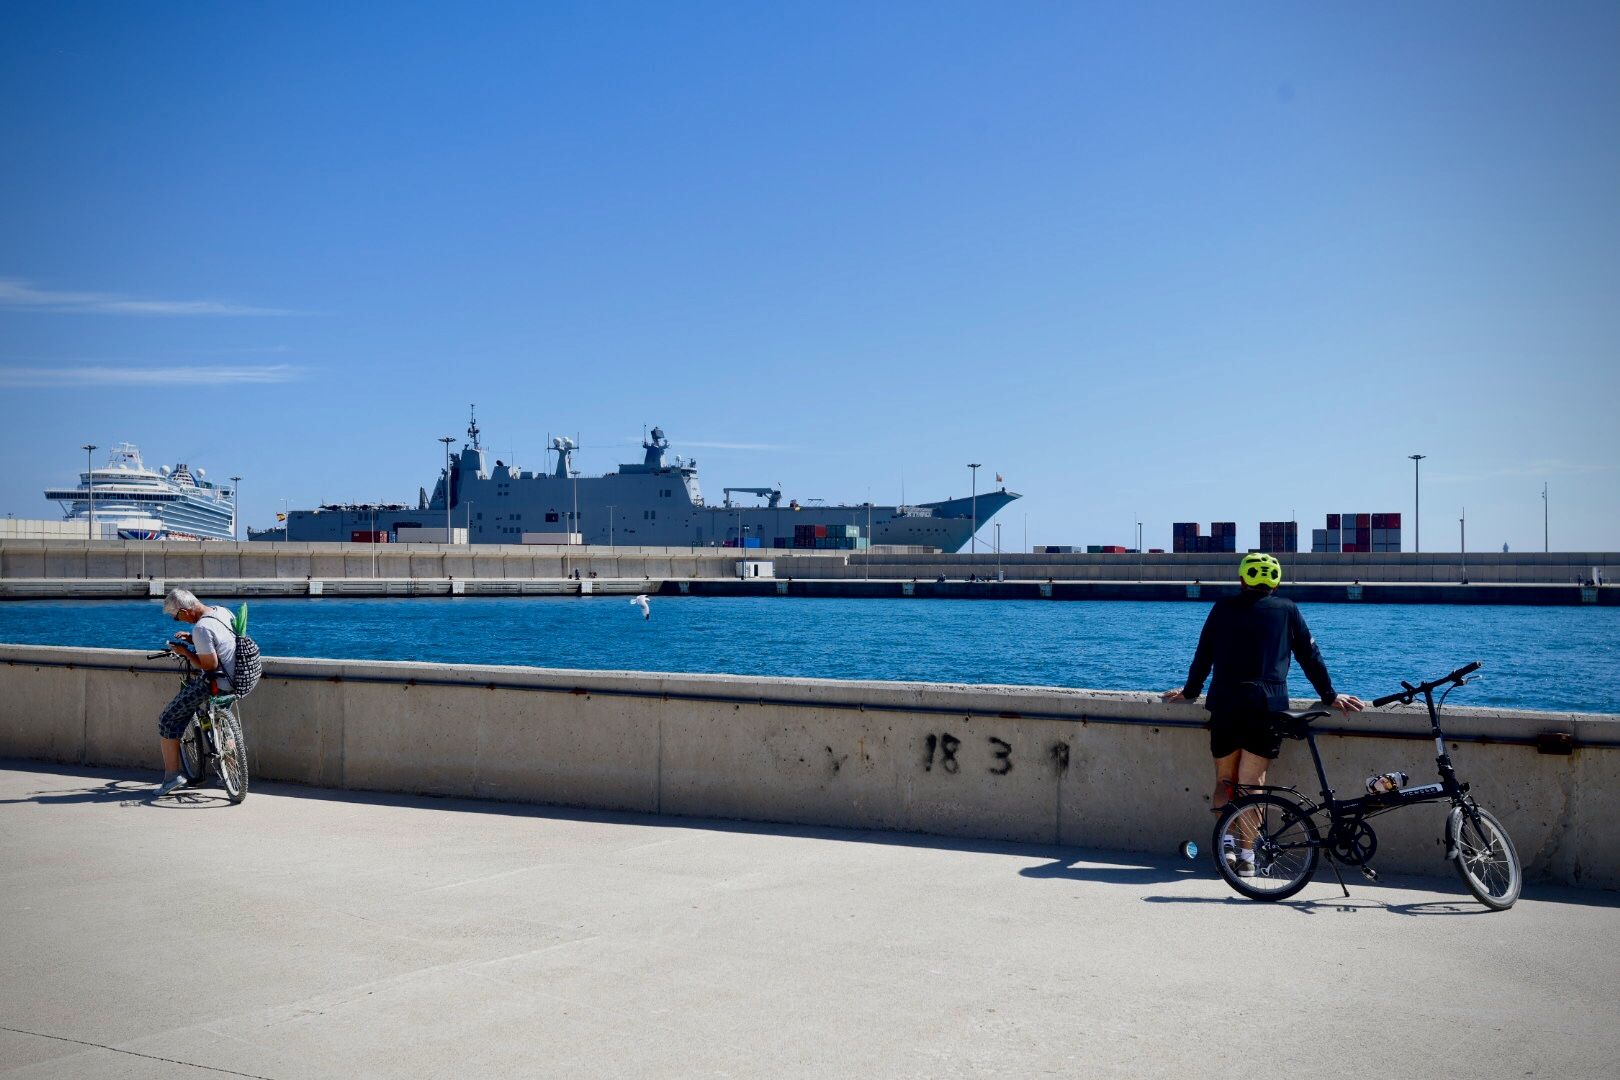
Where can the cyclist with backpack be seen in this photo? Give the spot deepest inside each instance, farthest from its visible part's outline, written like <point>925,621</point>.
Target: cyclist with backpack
<point>210,648</point>
<point>1248,641</point>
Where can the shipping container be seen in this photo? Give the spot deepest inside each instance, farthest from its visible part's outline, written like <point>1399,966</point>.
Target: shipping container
<point>366,536</point>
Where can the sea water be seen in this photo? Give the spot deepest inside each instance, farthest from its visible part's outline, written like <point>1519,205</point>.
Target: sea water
<point>1556,658</point>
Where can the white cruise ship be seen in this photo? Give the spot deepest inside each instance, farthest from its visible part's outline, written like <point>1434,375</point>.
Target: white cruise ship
<point>132,502</point>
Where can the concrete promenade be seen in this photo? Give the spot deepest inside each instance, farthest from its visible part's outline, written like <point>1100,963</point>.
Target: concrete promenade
<point>312,934</point>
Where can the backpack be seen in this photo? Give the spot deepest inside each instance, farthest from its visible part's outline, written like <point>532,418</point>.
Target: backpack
<point>248,668</point>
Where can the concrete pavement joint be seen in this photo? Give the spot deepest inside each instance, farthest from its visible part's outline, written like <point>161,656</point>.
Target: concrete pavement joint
<point>132,1053</point>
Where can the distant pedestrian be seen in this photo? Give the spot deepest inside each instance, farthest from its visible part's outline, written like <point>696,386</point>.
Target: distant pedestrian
<point>1248,640</point>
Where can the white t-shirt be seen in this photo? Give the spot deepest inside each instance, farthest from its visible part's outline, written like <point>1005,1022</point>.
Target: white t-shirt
<point>214,633</point>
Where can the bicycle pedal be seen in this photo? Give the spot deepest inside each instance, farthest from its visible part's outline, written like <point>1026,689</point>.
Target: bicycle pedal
<point>1369,873</point>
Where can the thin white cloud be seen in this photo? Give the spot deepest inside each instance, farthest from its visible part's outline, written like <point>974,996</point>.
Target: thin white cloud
<point>1538,470</point>
<point>732,445</point>
<point>21,296</point>
<point>135,376</point>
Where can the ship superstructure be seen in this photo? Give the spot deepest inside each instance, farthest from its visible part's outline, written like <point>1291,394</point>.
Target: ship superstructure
<point>133,502</point>
<point>656,502</point>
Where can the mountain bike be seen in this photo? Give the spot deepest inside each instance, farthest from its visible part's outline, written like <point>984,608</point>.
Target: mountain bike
<point>1289,832</point>
<point>213,742</point>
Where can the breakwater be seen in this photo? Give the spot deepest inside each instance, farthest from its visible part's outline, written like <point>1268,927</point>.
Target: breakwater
<point>44,569</point>
<point>825,588</point>
<point>1112,770</point>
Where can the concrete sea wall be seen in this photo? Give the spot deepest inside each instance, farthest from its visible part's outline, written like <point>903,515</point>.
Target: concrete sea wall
<point>224,560</point>
<point>1088,768</point>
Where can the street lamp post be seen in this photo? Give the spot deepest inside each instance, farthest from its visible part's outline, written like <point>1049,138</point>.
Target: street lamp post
<point>1462,542</point>
<point>1417,508</point>
<point>236,504</point>
<point>998,551</point>
<point>90,489</point>
<point>1546,534</point>
<point>373,536</point>
<point>610,524</point>
<point>286,521</point>
<point>973,544</point>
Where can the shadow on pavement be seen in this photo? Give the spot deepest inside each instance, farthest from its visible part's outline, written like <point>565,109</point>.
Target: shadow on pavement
<point>125,792</point>
<point>113,791</point>
<point>1114,868</point>
<point>1064,863</point>
<point>1341,904</point>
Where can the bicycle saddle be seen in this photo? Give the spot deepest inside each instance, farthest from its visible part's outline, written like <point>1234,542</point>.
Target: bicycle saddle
<point>1293,725</point>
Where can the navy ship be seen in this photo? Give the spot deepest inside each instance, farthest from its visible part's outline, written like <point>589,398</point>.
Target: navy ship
<point>656,502</point>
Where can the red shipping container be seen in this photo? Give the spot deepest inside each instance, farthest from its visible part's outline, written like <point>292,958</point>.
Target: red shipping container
<point>1363,521</point>
<point>821,531</point>
<point>1392,521</point>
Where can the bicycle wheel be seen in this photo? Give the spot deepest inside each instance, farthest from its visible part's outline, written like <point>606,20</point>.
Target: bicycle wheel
<point>193,757</point>
<point>233,755</point>
<point>1285,844</point>
<point>1485,857</point>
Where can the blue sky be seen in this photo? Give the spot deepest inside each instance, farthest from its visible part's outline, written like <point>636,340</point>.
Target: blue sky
<point>1181,262</point>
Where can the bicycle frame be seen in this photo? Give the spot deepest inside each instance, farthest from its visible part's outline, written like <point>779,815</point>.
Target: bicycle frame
<point>1345,811</point>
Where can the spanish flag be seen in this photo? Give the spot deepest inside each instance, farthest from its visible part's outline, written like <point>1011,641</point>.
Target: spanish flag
<point>999,479</point>
<point>281,517</point>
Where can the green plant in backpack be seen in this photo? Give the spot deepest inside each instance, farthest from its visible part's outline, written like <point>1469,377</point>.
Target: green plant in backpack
<point>247,668</point>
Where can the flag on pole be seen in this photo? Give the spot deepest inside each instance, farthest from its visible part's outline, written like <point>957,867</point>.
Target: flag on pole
<point>999,479</point>
<point>281,517</point>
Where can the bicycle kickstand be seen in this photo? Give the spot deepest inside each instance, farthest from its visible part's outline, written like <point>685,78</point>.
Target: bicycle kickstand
<point>1331,861</point>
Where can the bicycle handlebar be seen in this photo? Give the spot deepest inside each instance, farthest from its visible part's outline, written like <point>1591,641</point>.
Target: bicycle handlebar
<point>1405,695</point>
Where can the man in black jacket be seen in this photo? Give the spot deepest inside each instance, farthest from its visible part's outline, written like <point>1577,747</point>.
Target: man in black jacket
<point>1248,640</point>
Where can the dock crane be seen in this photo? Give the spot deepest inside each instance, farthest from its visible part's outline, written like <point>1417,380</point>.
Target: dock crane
<point>773,495</point>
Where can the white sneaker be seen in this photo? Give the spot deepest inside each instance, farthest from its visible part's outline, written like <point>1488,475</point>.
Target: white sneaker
<point>169,786</point>
<point>1244,864</point>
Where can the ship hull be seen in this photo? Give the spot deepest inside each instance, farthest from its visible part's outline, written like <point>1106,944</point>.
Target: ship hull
<point>641,510</point>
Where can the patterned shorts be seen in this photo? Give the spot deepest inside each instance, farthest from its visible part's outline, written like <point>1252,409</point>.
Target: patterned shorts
<point>178,713</point>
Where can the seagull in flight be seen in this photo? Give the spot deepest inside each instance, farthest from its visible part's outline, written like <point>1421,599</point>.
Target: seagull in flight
<point>641,602</point>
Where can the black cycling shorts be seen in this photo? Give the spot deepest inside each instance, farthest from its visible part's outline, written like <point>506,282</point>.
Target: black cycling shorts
<point>1249,731</point>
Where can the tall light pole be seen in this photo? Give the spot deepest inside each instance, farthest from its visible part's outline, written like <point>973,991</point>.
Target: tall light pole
<point>90,489</point>
<point>973,544</point>
<point>1462,542</point>
<point>1417,511</point>
<point>236,504</point>
<point>1546,533</point>
<point>286,521</point>
<point>998,551</point>
<point>610,524</point>
<point>449,535</point>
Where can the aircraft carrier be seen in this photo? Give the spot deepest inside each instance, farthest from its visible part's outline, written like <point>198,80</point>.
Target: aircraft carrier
<point>656,502</point>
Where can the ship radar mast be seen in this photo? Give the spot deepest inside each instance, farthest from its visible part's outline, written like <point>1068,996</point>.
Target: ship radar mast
<point>472,427</point>
<point>655,448</point>
<point>564,448</point>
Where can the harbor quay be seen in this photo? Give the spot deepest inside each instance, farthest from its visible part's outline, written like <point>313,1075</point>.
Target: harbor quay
<point>45,569</point>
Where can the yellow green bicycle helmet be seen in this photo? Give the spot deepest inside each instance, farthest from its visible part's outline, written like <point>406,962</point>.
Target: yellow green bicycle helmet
<point>1259,570</point>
